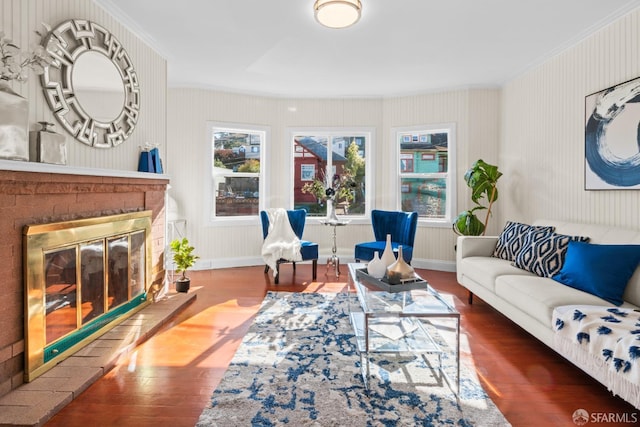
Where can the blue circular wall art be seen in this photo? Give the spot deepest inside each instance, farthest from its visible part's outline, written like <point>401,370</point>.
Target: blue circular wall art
<point>612,137</point>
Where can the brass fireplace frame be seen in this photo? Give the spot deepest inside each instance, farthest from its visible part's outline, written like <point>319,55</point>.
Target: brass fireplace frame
<point>40,239</point>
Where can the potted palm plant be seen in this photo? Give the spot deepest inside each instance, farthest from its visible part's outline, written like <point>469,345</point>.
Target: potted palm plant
<point>183,258</point>
<point>482,178</point>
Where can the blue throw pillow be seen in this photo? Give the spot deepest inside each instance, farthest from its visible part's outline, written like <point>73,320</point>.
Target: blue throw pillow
<point>601,270</point>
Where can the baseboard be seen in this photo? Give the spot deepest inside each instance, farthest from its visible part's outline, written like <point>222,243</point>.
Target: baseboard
<point>208,264</point>
<point>434,264</point>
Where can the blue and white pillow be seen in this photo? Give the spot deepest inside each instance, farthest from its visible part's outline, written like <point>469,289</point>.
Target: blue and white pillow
<point>543,252</point>
<point>512,237</point>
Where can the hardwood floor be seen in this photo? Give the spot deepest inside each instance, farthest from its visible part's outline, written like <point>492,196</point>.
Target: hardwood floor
<point>169,379</point>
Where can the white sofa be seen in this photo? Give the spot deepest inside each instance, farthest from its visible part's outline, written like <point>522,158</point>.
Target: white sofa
<point>529,300</point>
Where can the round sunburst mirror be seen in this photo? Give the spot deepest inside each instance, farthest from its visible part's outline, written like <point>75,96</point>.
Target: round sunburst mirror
<point>91,86</point>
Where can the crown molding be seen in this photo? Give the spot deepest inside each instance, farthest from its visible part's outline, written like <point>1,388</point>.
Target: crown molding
<point>128,22</point>
<point>577,39</point>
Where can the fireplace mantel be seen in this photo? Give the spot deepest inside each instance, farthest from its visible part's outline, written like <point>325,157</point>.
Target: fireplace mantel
<point>15,166</point>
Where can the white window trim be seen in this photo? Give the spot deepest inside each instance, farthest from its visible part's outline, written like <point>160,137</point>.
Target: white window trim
<point>368,132</point>
<point>451,209</point>
<point>210,218</point>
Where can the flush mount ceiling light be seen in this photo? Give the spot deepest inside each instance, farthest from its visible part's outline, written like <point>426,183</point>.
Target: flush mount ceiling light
<point>337,13</point>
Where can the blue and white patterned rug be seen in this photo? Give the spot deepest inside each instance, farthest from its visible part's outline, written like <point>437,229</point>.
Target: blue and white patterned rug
<point>298,366</point>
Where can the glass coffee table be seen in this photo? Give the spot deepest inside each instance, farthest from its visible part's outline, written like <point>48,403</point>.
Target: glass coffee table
<point>400,323</point>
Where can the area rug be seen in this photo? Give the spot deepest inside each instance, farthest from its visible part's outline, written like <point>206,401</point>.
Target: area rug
<point>298,365</point>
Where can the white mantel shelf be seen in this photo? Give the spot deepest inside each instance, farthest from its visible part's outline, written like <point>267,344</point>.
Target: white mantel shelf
<point>19,166</point>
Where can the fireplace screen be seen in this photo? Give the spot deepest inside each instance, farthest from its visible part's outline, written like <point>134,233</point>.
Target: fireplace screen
<point>60,293</point>
<point>82,277</point>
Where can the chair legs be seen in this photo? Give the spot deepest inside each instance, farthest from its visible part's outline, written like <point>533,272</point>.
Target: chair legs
<point>276,280</point>
<point>266,270</point>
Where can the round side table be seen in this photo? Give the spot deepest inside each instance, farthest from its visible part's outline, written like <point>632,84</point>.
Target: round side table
<point>334,261</point>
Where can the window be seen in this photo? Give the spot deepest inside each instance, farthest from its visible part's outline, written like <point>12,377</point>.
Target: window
<point>426,172</point>
<point>331,158</point>
<point>307,172</point>
<point>236,170</point>
<point>406,162</point>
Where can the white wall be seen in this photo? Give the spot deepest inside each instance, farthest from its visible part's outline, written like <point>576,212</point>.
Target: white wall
<point>475,113</point>
<point>542,141</point>
<point>20,18</point>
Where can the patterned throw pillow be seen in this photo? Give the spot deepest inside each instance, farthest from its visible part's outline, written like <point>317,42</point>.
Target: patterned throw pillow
<point>543,252</point>
<point>512,238</point>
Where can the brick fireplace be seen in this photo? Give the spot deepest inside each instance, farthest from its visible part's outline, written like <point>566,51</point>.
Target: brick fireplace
<point>55,194</point>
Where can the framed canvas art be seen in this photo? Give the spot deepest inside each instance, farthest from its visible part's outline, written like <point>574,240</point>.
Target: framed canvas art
<point>612,138</point>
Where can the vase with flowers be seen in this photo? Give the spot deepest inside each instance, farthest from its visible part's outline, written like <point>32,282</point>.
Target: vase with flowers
<point>14,109</point>
<point>337,188</point>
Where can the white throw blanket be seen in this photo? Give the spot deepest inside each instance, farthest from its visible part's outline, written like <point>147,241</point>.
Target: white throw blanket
<point>606,337</point>
<point>281,241</point>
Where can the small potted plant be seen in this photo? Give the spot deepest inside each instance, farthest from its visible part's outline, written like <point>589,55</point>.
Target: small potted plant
<point>183,258</point>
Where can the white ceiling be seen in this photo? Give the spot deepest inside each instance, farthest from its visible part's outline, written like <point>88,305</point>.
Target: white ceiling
<point>399,47</point>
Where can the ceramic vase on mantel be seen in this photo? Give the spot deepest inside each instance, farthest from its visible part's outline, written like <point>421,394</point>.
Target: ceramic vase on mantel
<point>400,271</point>
<point>388,257</point>
<point>46,146</point>
<point>14,123</point>
<point>376,267</point>
<point>331,211</point>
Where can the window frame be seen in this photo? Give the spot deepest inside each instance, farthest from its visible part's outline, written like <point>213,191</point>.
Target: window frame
<point>451,204</point>
<point>211,218</point>
<point>367,132</point>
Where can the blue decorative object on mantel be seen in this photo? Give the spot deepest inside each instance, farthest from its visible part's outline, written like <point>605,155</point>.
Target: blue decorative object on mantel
<point>150,160</point>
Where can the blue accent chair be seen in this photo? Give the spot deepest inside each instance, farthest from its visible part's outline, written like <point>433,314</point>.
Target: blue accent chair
<point>309,250</point>
<point>401,226</point>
